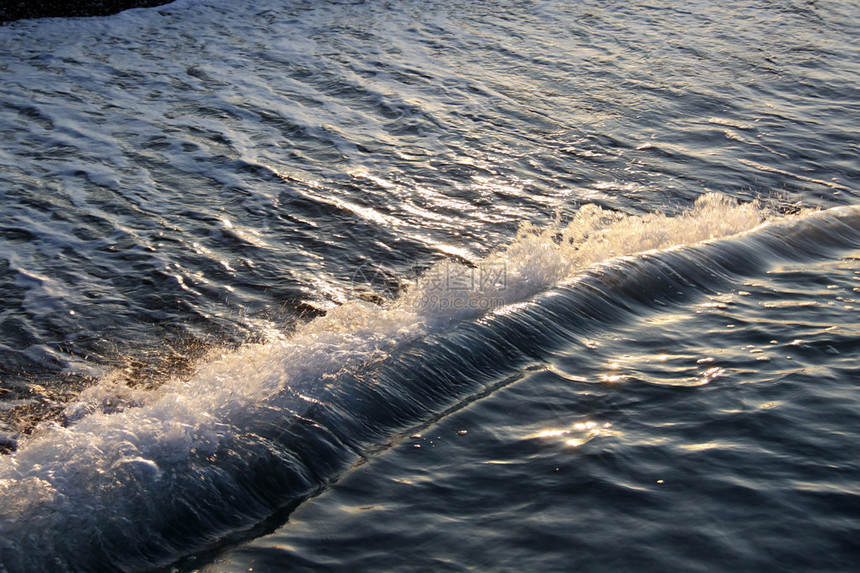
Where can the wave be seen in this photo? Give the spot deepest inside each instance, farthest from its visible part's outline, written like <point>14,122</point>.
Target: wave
<point>138,479</point>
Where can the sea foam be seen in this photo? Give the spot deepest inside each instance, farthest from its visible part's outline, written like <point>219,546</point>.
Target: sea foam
<point>121,450</point>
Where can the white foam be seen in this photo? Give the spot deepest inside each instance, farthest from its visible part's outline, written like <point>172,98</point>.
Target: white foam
<point>116,432</point>
<point>539,258</point>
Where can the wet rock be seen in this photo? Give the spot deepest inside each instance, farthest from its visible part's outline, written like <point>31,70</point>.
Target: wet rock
<point>19,9</point>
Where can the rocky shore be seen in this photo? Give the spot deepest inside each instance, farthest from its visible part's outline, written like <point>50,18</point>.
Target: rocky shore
<point>19,9</point>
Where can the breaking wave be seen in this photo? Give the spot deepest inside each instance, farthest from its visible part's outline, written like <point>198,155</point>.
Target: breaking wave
<point>253,432</point>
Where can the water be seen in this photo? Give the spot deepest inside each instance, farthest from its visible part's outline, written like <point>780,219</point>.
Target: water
<point>431,286</point>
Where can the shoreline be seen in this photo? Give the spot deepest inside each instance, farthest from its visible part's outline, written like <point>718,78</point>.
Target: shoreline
<point>11,10</point>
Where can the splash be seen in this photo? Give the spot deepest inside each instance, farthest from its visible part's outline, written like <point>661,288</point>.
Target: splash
<point>539,258</point>
<point>226,384</point>
<point>128,452</point>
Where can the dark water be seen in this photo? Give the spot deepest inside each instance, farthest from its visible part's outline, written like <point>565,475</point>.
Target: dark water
<point>490,286</point>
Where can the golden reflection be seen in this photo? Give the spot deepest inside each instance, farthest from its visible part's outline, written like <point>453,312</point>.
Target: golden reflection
<point>612,378</point>
<point>551,433</point>
<point>668,368</point>
<point>706,446</point>
<point>576,435</point>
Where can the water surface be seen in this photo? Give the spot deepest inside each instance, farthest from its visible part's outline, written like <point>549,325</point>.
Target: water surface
<point>450,285</point>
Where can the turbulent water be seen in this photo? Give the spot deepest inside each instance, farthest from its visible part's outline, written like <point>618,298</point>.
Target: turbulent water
<point>445,285</point>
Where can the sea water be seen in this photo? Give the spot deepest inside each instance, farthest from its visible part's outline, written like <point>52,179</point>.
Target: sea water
<point>446,285</point>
